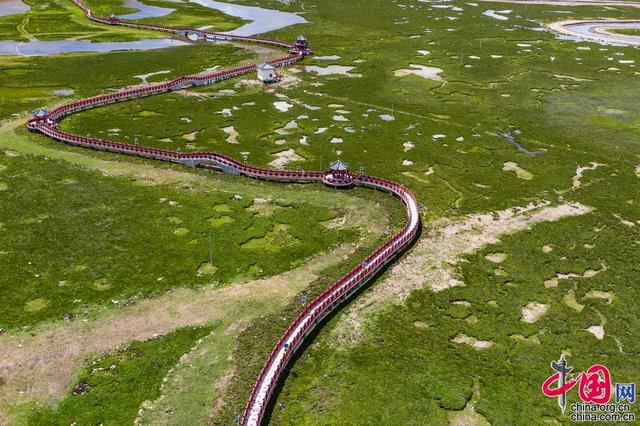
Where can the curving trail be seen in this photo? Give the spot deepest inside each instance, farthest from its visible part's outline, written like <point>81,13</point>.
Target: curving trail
<point>598,31</point>
<point>46,122</point>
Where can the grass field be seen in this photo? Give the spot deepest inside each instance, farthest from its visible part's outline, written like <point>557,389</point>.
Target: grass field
<point>111,389</point>
<point>93,247</point>
<point>411,369</point>
<point>511,115</point>
<point>26,84</point>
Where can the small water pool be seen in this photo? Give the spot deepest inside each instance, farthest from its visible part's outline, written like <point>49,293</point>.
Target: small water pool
<point>12,7</point>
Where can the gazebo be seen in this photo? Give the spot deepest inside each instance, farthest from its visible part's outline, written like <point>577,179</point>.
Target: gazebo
<point>338,167</point>
<point>338,175</point>
<point>302,42</point>
<point>40,112</point>
<point>301,45</point>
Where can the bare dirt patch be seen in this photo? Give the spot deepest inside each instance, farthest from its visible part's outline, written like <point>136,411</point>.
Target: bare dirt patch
<point>570,77</point>
<point>577,178</point>
<point>472,341</point>
<point>430,73</point>
<point>432,262</point>
<point>232,134</point>
<point>597,331</point>
<point>284,158</point>
<point>589,273</point>
<point>533,311</point>
<point>266,53</point>
<point>521,173</point>
<point>496,257</point>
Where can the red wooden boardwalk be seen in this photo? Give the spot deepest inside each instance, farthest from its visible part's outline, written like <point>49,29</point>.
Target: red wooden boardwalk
<point>316,310</point>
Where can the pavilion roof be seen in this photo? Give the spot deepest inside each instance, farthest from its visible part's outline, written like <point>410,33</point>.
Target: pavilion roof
<point>40,112</point>
<point>338,166</point>
<point>265,67</point>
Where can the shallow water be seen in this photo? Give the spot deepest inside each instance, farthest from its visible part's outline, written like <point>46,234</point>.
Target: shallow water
<point>12,7</point>
<point>589,29</point>
<point>585,29</point>
<point>495,15</point>
<point>35,48</point>
<point>263,20</point>
<point>144,10</point>
<point>330,70</point>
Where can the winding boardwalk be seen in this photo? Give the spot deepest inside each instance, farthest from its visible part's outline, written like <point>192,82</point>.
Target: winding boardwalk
<point>46,122</point>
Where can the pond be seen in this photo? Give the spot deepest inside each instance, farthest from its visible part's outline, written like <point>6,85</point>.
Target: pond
<point>12,7</point>
<point>144,10</point>
<point>35,48</point>
<point>263,20</point>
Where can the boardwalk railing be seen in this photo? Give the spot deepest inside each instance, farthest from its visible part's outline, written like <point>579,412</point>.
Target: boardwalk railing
<point>315,311</point>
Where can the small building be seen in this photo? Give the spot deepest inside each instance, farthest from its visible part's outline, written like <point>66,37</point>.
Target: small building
<point>339,167</point>
<point>266,73</point>
<point>40,112</point>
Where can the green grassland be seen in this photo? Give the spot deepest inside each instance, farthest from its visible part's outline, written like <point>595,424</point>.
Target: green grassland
<point>572,102</point>
<point>28,83</point>
<point>70,213</point>
<point>411,371</point>
<point>111,388</point>
<point>82,239</point>
<point>470,105</point>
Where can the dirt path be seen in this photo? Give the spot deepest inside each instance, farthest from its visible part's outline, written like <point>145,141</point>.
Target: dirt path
<point>22,29</point>
<point>432,262</point>
<point>265,53</point>
<point>38,365</point>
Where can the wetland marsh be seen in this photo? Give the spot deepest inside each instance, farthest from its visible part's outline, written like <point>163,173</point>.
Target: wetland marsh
<point>523,257</point>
